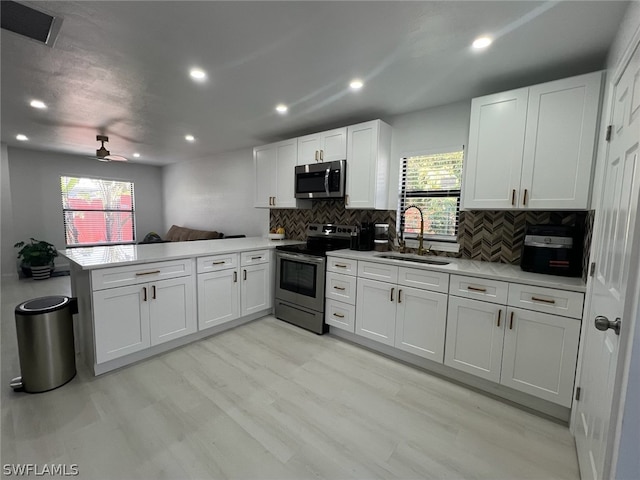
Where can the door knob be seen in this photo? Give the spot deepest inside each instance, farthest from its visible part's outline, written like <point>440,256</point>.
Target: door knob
<point>603,323</point>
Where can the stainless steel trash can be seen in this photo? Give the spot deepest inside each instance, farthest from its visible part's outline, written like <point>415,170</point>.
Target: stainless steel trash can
<point>44,327</point>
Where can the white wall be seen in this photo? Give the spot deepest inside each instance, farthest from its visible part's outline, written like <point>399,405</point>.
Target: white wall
<point>446,126</point>
<point>7,252</point>
<point>35,195</point>
<point>214,194</point>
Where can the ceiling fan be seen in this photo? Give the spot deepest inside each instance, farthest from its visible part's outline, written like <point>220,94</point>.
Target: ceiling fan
<point>104,155</point>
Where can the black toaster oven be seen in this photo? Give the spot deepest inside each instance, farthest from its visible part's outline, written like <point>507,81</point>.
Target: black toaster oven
<point>553,250</point>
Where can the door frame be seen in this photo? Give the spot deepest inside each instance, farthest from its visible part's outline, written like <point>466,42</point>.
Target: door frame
<point>632,306</point>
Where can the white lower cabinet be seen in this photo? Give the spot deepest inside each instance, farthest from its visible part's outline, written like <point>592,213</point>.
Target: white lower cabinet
<point>218,298</point>
<point>255,288</point>
<point>131,318</point>
<point>407,318</point>
<point>540,354</point>
<point>475,336</point>
<point>529,351</point>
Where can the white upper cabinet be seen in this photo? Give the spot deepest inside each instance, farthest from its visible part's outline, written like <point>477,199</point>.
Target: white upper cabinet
<point>368,152</point>
<point>533,148</point>
<point>323,147</point>
<point>274,175</point>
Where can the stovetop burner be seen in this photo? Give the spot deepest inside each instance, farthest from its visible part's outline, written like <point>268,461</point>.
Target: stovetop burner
<point>322,238</point>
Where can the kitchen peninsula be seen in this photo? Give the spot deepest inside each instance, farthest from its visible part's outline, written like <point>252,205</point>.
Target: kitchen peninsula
<point>136,301</point>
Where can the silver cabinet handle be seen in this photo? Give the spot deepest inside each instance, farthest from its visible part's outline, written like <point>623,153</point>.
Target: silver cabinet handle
<point>392,290</point>
<point>316,155</point>
<point>219,263</point>
<point>322,155</point>
<point>153,289</point>
<point>340,265</point>
<point>144,294</point>
<point>524,198</point>
<point>476,289</point>
<point>339,315</point>
<point>244,275</point>
<point>499,317</point>
<point>256,258</point>
<point>400,296</point>
<point>339,288</point>
<point>543,300</point>
<point>511,322</point>
<point>235,277</point>
<point>139,274</point>
<point>513,196</point>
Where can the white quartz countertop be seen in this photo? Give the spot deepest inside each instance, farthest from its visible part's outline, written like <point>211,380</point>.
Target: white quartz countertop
<point>91,258</point>
<point>473,268</point>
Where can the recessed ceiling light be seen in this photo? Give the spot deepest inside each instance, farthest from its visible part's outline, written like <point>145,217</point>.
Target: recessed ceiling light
<point>190,138</point>
<point>282,108</point>
<point>136,155</point>
<point>21,137</point>
<point>356,84</point>
<point>198,74</point>
<point>38,104</point>
<point>481,42</point>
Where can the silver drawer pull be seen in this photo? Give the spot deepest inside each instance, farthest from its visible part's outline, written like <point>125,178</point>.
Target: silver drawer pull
<point>219,263</point>
<point>339,315</point>
<point>339,288</point>
<point>544,300</point>
<point>139,274</point>
<point>340,265</point>
<point>476,289</point>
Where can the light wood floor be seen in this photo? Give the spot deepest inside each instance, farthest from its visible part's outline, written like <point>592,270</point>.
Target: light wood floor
<point>270,401</point>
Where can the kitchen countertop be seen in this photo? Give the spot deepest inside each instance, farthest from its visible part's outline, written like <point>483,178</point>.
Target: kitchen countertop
<point>473,268</point>
<point>91,258</point>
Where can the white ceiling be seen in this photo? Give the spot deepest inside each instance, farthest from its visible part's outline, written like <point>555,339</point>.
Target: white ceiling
<point>121,68</point>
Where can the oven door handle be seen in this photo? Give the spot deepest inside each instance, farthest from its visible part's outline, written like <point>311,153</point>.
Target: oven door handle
<point>300,258</point>
<point>326,180</point>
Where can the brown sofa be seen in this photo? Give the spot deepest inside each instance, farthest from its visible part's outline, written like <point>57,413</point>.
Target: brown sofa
<point>183,234</point>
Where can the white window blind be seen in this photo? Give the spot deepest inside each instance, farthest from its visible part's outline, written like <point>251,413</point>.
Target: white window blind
<point>432,182</point>
<point>97,211</point>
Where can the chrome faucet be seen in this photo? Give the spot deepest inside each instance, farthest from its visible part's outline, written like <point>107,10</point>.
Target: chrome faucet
<point>421,249</point>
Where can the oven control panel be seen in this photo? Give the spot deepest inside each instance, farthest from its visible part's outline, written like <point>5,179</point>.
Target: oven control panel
<point>330,230</point>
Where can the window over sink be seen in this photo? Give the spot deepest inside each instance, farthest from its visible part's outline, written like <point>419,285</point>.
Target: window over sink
<point>97,211</point>
<point>431,180</point>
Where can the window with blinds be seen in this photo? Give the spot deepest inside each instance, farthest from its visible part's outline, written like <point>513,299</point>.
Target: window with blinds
<point>97,211</point>
<point>432,182</point>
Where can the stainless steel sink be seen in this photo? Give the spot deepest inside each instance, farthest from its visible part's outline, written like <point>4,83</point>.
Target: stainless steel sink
<point>405,258</point>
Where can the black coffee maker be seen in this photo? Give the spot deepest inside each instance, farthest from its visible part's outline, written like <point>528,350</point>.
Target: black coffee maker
<point>364,238</point>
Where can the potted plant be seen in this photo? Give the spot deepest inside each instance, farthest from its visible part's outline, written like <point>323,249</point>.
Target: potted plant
<point>37,255</point>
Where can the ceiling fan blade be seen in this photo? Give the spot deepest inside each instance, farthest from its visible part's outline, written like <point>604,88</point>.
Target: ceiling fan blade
<point>116,158</point>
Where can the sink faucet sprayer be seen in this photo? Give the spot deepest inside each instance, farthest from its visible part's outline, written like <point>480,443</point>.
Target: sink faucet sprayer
<point>421,249</point>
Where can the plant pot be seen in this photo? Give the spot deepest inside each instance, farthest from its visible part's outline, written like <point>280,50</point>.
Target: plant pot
<point>41,273</point>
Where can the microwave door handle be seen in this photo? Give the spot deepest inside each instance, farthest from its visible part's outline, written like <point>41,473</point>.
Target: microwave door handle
<point>326,180</point>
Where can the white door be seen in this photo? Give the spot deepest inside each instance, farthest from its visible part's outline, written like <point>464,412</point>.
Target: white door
<point>475,335</point>
<point>559,143</point>
<point>376,310</point>
<point>264,161</point>
<point>218,298</point>
<point>172,309</point>
<point>540,353</point>
<point>421,317</point>
<point>255,289</point>
<point>334,145</point>
<point>287,158</point>
<point>617,211</point>
<point>121,320</point>
<point>309,149</point>
<point>494,159</point>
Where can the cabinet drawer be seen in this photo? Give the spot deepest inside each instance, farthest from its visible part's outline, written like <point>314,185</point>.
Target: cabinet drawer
<point>341,287</point>
<point>479,289</point>
<point>215,263</point>
<point>340,315</point>
<point>135,274</point>
<point>254,257</point>
<point>342,265</point>
<point>423,279</point>
<point>546,300</point>
<point>378,271</point>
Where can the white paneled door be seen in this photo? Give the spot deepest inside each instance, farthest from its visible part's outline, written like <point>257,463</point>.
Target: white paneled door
<point>596,427</point>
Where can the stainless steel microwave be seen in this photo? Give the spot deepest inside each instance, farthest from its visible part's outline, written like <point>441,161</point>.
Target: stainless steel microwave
<point>321,180</point>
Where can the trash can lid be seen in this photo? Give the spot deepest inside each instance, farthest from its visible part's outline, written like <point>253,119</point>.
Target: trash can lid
<point>42,305</point>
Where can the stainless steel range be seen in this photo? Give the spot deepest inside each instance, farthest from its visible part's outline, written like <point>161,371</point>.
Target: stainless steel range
<point>300,275</point>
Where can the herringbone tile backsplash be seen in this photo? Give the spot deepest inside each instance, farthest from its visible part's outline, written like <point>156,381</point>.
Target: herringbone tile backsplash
<point>490,236</point>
